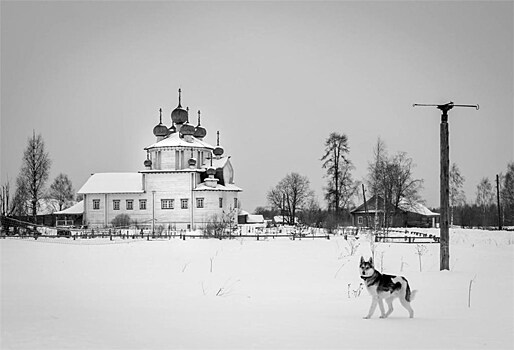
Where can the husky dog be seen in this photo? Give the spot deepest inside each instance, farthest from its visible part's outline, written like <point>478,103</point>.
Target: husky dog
<point>382,286</point>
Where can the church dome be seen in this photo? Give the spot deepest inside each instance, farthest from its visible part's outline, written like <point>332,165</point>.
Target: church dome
<point>200,131</point>
<point>147,163</point>
<point>192,162</point>
<point>160,130</point>
<point>179,115</point>
<point>211,171</point>
<point>187,129</point>
<point>218,151</point>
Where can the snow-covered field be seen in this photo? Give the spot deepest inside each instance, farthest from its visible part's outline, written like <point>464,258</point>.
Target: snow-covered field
<point>274,294</point>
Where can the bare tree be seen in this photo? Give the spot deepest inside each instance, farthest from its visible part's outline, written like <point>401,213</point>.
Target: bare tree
<point>507,195</point>
<point>219,225</point>
<point>290,195</point>
<point>34,171</point>
<point>62,190</point>
<point>457,196</point>
<point>7,203</point>
<point>341,187</point>
<point>393,180</point>
<point>485,197</point>
<point>376,174</point>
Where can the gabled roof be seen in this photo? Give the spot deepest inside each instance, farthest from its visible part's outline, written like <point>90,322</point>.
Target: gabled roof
<point>174,140</point>
<point>416,208</point>
<point>77,208</point>
<point>113,183</point>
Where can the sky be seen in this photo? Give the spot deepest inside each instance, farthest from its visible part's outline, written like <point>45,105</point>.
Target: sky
<point>275,78</point>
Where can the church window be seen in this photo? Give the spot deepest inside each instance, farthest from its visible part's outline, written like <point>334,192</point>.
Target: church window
<point>130,204</point>
<point>184,203</point>
<point>96,204</point>
<point>142,204</point>
<point>235,202</point>
<point>221,202</point>
<point>360,220</point>
<point>116,204</point>
<point>199,202</point>
<point>166,203</point>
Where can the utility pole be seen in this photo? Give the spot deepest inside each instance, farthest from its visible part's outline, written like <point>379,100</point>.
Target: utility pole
<point>498,199</point>
<point>444,181</point>
<point>365,205</point>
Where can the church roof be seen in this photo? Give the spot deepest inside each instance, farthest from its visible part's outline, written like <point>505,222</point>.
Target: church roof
<point>174,140</point>
<point>226,187</point>
<point>217,163</point>
<point>113,183</point>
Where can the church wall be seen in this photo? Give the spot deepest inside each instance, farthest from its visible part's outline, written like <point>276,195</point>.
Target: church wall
<point>212,204</point>
<point>104,214</point>
<point>159,188</point>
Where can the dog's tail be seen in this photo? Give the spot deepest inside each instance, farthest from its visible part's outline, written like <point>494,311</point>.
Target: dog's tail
<point>409,295</point>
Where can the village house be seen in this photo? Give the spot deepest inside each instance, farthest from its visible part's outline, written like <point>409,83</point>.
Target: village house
<point>408,214</point>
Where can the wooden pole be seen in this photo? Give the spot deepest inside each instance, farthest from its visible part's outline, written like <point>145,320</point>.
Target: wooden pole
<point>445,181</point>
<point>498,199</point>
<point>365,205</point>
<point>444,191</point>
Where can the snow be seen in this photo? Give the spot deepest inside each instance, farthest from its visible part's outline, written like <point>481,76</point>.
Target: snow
<point>77,208</point>
<point>174,140</point>
<point>242,293</point>
<point>417,208</point>
<point>113,183</point>
<point>226,187</point>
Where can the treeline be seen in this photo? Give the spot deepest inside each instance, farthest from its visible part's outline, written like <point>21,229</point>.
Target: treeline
<point>389,176</point>
<point>30,189</point>
<point>484,210</point>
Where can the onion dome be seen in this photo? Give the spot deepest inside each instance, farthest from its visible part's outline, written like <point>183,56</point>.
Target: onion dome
<point>147,163</point>
<point>179,115</point>
<point>192,162</point>
<point>160,130</point>
<point>211,171</point>
<point>200,131</point>
<point>187,129</point>
<point>218,151</point>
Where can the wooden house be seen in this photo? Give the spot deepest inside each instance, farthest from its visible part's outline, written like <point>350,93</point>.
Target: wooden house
<point>407,215</point>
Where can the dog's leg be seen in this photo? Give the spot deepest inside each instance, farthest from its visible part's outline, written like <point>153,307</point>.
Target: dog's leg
<point>406,305</point>
<point>374,302</point>
<point>389,306</point>
<point>382,310</point>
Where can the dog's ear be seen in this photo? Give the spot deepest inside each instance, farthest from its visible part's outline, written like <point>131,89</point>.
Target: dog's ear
<point>362,259</point>
<point>371,261</point>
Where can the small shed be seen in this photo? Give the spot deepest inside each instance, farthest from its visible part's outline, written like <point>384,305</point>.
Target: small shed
<point>71,216</point>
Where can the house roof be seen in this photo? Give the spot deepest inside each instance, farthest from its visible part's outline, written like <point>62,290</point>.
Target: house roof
<point>77,208</point>
<point>416,208</point>
<point>174,140</point>
<point>113,183</point>
<point>255,219</point>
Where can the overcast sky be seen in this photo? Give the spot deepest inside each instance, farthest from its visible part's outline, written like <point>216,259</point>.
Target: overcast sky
<point>275,78</point>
